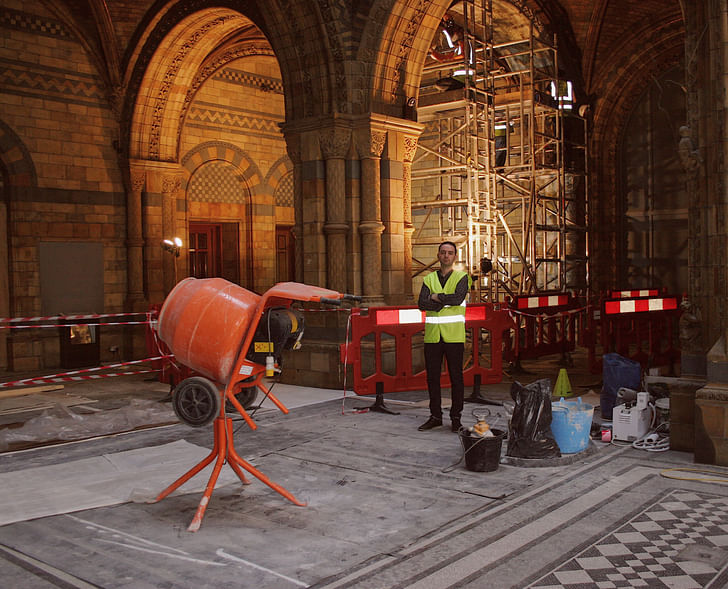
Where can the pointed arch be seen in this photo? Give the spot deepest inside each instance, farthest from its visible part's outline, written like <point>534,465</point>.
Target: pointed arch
<point>223,151</point>
<point>16,159</point>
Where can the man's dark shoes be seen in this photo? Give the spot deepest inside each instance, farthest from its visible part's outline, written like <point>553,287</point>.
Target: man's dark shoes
<point>431,423</point>
<point>456,425</point>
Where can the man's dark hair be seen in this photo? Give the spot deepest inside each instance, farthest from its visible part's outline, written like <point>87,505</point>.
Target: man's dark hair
<point>448,243</point>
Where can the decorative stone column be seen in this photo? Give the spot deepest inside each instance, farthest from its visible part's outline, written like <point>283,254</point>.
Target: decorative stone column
<point>334,147</point>
<point>392,190</point>
<point>410,148</point>
<point>4,278</point>
<point>369,145</point>
<point>293,146</point>
<point>704,152</point>
<point>135,299</point>
<point>170,188</point>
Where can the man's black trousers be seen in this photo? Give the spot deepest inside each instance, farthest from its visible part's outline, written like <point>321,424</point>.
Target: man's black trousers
<point>453,353</point>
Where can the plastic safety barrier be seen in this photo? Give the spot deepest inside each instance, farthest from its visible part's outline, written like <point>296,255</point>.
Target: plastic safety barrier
<point>547,324</point>
<point>642,328</point>
<point>385,349</point>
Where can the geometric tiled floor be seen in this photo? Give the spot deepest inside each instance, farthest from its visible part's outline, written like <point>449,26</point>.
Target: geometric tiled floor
<point>678,542</point>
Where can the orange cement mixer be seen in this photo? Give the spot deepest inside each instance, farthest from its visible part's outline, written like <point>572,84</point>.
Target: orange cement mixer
<point>231,338</point>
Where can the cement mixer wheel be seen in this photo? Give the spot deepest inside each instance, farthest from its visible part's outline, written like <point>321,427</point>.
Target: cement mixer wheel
<point>245,395</point>
<point>196,401</point>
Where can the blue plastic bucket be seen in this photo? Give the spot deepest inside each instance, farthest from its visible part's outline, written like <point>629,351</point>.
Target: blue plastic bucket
<point>571,425</point>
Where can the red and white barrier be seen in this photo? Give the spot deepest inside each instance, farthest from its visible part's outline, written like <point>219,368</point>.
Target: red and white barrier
<point>640,305</point>
<point>539,302</point>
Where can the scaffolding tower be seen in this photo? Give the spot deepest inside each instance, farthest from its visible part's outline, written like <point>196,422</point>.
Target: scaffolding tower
<point>501,166</point>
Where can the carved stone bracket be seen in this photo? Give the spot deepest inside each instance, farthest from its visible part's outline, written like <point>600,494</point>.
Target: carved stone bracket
<point>410,148</point>
<point>138,182</point>
<point>171,184</point>
<point>370,144</point>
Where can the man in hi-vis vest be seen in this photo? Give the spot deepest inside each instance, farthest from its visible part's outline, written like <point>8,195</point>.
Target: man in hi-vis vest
<point>443,296</point>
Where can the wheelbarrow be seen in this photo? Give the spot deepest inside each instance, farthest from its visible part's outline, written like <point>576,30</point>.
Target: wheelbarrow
<point>232,339</point>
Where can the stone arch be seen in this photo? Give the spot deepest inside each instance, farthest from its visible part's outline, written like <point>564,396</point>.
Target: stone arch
<point>176,60</point>
<point>181,41</point>
<point>222,151</point>
<point>622,86</point>
<point>396,42</point>
<point>16,173</point>
<point>16,160</point>
<point>238,191</point>
<point>280,181</point>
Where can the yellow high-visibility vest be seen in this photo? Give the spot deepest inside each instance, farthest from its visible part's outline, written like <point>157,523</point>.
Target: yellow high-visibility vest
<point>449,322</point>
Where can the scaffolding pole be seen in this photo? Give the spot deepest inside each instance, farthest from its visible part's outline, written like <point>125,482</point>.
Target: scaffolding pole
<point>501,167</point>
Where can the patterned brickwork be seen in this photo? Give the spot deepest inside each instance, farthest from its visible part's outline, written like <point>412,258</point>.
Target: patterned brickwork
<point>233,122</point>
<point>216,182</point>
<point>251,80</point>
<point>31,23</point>
<point>284,191</point>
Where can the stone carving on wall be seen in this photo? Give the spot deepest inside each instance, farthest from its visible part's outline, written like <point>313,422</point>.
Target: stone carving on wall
<point>370,143</point>
<point>137,182</point>
<point>335,143</point>
<point>412,29</point>
<point>690,157</point>
<point>171,184</point>
<point>367,53</point>
<point>170,75</point>
<point>690,328</point>
<point>286,7</point>
<point>332,13</point>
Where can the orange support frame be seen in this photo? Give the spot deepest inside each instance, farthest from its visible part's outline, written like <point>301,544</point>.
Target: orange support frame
<point>223,450</point>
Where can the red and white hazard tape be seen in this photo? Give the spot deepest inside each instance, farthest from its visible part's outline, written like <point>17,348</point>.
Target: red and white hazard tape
<point>73,324</point>
<point>70,378</point>
<point>557,314</point>
<point>633,294</point>
<point>69,317</point>
<point>84,373</point>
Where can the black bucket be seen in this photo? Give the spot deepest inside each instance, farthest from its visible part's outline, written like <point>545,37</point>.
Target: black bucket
<point>482,454</point>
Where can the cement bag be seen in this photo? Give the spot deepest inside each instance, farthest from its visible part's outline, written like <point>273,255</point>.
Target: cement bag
<point>530,433</point>
<point>617,372</point>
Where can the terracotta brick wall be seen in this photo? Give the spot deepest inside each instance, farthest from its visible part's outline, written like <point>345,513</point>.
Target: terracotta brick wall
<point>54,103</point>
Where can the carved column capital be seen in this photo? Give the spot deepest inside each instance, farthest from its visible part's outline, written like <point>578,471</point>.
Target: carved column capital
<point>410,148</point>
<point>138,181</point>
<point>370,144</point>
<point>171,184</point>
<point>335,142</point>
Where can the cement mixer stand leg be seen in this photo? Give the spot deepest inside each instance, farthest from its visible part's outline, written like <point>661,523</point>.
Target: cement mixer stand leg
<point>222,451</point>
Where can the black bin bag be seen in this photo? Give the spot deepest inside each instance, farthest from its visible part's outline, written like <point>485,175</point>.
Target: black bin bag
<point>530,431</point>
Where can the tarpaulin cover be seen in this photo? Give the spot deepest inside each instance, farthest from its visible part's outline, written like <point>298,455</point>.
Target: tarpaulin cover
<point>617,372</point>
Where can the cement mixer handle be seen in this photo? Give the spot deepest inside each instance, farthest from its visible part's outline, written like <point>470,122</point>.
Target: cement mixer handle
<point>330,301</point>
<point>351,297</point>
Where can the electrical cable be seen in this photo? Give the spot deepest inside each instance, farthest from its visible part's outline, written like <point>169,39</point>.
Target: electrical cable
<point>344,411</point>
<point>650,444</point>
